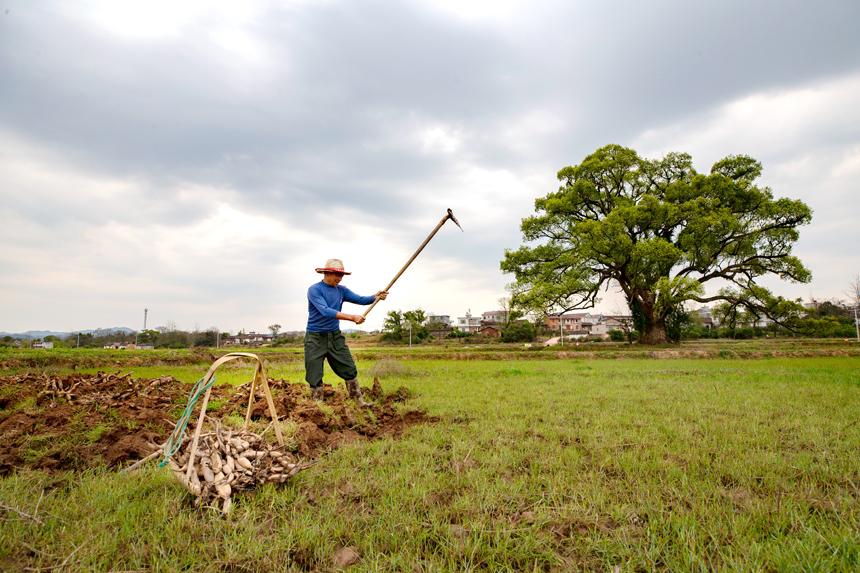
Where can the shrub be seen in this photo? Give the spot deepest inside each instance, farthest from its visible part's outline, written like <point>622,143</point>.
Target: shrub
<point>745,333</point>
<point>457,333</point>
<point>617,335</point>
<point>519,331</point>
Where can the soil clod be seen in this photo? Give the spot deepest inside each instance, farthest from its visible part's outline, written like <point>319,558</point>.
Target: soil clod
<point>346,556</point>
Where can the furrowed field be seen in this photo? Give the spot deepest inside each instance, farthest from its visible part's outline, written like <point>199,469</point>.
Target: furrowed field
<point>522,463</point>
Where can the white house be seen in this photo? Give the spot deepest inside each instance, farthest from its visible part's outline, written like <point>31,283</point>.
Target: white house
<point>468,323</point>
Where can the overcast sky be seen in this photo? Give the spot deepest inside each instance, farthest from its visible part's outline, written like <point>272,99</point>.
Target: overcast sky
<point>200,159</point>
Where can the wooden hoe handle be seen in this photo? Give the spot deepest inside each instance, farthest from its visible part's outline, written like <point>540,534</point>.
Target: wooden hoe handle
<point>448,215</point>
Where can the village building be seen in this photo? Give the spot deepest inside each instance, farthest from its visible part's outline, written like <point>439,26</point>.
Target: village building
<point>622,322</point>
<point>247,339</point>
<point>495,317</point>
<point>470,324</point>
<point>438,325</point>
<point>438,319</point>
<point>565,323</point>
<point>595,326</point>
<point>437,330</point>
<point>705,316</point>
<point>585,325</point>
<point>490,331</point>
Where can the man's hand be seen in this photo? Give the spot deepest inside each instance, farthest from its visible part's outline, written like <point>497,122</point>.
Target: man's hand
<point>356,318</point>
<point>382,295</point>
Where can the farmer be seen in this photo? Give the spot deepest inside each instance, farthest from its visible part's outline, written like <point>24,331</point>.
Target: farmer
<point>324,339</point>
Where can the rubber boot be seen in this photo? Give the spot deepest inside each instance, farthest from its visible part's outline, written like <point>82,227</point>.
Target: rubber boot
<point>355,392</point>
<point>317,393</point>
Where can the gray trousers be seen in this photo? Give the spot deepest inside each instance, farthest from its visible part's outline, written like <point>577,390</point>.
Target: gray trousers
<point>320,346</point>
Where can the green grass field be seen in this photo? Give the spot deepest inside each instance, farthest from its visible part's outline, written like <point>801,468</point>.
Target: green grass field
<point>17,360</point>
<point>630,465</point>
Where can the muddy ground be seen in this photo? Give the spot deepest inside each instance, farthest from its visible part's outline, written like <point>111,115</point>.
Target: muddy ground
<point>80,421</point>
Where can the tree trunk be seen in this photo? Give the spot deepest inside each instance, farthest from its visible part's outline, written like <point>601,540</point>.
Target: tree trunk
<point>655,333</point>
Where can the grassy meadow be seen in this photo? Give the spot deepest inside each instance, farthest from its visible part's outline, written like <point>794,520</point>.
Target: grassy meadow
<point>534,465</point>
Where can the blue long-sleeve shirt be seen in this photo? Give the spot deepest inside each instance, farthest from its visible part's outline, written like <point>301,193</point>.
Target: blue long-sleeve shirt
<point>325,301</point>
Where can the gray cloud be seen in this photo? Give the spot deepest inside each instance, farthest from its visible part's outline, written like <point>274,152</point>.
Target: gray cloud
<point>377,108</point>
<point>344,74</point>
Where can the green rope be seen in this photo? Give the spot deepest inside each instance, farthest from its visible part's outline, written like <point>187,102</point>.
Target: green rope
<point>174,442</point>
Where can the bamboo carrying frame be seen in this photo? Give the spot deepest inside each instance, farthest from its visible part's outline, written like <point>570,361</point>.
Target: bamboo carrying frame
<point>259,378</point>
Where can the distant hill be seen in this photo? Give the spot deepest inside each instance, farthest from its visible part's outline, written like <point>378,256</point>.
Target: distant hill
<point>43,333</point>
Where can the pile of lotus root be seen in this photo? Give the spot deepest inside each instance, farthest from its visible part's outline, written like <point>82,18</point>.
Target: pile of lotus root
<point>226,462</point>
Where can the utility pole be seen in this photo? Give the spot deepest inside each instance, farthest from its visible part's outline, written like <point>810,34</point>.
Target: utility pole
<point>410,334</point>
<point>560,331</point>
<point>856,322</point>
<point>856,304</point>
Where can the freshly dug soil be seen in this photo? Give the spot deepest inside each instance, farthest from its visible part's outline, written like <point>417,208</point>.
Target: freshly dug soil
<point>78,421</point>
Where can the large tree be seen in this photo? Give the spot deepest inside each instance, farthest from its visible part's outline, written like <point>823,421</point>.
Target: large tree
<point>661,232</point>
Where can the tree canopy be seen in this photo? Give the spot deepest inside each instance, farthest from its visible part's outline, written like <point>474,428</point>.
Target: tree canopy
<point>398,326</point>
<point>661,232</point>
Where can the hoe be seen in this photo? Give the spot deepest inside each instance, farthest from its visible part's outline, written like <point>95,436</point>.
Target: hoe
<point>448,215</point>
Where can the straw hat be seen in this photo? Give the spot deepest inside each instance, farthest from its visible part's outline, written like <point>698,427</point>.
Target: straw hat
<point>333,266</point>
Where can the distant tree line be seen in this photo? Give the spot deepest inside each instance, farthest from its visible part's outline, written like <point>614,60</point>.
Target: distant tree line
<point>162,337</point>
<point>827,319</point>
<point>400,325</point>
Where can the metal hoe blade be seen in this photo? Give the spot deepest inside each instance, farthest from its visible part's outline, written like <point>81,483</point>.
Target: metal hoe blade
<point>453,218</point>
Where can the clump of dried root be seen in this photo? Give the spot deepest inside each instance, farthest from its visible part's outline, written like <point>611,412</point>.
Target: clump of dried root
<point>228,461</point>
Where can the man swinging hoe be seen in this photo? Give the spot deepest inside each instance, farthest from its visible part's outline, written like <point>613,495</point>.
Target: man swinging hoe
<point>323,338</point>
